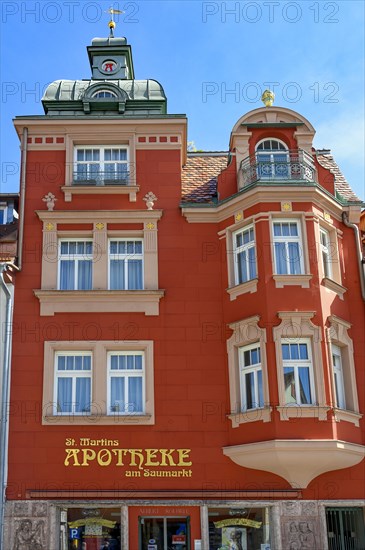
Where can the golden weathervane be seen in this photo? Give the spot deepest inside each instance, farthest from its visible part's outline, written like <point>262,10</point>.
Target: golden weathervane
<point>112,23</point>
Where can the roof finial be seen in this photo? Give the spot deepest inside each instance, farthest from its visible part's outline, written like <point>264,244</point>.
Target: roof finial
<point>268,98</point>
<point>112,23</point>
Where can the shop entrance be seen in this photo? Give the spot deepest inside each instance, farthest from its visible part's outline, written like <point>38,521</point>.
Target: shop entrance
<point>164,533</point>
<point>92,529</point>
<point>345,528</point>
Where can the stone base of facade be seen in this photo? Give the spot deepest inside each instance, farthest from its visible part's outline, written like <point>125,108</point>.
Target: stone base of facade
<point>290,525</point>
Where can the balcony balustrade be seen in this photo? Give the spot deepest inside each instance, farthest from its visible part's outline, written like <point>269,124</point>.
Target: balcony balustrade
<point>287,166</point>
<point>100,178</point>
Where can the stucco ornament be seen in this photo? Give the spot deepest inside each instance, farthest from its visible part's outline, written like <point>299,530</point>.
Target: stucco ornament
<point>50,201</point>
<point>28,537</point>
<point>150,200</point>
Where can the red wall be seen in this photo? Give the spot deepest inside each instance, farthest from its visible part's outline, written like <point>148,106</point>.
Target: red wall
<point>190,363</point>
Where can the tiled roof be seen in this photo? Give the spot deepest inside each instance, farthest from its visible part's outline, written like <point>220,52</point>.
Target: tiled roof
<point>200,174</point>
<point>199,177</point>
<point>341,184</point>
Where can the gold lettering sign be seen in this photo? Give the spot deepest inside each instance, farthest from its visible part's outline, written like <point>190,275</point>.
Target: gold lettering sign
<point>238,521</point>
<point>143,462</point>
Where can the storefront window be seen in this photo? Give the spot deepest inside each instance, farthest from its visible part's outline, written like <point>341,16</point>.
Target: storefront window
<point>164,533</point>
<point>238,529</point>
<point>94,529</point>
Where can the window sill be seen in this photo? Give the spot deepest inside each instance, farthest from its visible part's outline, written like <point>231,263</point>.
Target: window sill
<point>253,415</point>
<point>130,190</point>
<point>292,280</point>
<point>99,301</point>
<point>243,288</point>
<point>98,419</point>
<point>336,287</point>
<point>303,411</point>
<point>347,416</point>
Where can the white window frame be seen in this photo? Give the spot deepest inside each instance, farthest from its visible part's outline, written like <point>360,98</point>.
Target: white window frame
<point>74,375</point>
<point>339,385</point>
<point>252,369</point>
<point>294,323</point>
<point>296,364</point>
<point>98,414</point>
<point>272,153</point>
<point>76,258</point>
<point>126,257</point>
<point>246,332</point>
<point>339,341</point>
<point>287,240</point>
<point>126,374</point>
<point>326,252</point>
<point>101,162</point>
<point>241,249</point>
<point>112,94</point>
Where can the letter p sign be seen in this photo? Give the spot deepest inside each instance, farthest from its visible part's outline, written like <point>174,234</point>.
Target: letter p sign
<point>74,534</point>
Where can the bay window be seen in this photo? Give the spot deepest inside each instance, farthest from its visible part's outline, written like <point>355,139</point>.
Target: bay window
<point>288,251</point>
<point>325,245</point>
<point>251,377</point>
<point>244,251</point>
<point>340,400</point>
<point>298,372</point>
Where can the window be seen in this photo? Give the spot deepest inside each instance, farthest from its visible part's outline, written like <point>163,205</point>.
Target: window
<point>101,382</point>
<point>244,255</point>
<point>299,367</point>
<point>125,264</point>
<point>247,369</point>
<point>75,265</point>
<point>340,400</point>
<point>103,94</point>
<point>272,159</point>
<point>99,268</point>
<point>298,375</point>
<point>101,165</point>
<point>3,215</point>
<point>288,257</point>
<point>251,377</point>
<point>73,383</point>
<point>326,253</point>
<point>341,358</point>
<point>126,382</point>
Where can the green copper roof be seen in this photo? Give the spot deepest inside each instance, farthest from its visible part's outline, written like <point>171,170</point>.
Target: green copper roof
<point>112,88</point>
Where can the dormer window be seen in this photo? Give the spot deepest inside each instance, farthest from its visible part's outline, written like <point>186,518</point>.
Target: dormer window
<point>104,94</point>
<point>272,157</point>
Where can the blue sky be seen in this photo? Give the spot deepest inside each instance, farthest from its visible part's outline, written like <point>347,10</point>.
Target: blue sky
<point>214,59</point>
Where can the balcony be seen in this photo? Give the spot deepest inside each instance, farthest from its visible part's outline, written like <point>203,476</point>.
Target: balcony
<point>289,166</point>
<point>99,178</point>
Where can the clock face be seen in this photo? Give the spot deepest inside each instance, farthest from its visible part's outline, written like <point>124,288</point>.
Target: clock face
<point>109,66</point>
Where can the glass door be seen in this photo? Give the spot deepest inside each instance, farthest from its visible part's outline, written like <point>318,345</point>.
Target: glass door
<point>163,533</point>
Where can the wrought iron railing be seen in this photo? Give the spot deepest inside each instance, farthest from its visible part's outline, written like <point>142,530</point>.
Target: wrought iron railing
<point>288,166</point>
<point>101,178</point>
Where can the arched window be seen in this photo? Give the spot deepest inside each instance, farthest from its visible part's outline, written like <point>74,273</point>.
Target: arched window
<point>102,94</point>
<point>272,158</point>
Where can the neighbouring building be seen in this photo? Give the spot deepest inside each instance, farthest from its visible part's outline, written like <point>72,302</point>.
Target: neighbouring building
<point>8,269</point>
<point>188,344</point>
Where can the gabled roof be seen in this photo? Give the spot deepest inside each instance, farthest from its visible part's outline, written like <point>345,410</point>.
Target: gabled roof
<point>341,184</point>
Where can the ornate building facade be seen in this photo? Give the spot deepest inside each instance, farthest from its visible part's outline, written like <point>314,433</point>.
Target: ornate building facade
<point>188,359</point>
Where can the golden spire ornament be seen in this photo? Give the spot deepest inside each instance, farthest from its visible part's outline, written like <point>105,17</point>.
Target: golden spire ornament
<point>268,98</point>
